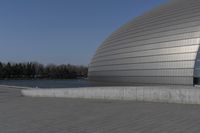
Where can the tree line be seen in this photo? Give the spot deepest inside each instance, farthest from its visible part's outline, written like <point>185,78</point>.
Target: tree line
<point>31,70</point>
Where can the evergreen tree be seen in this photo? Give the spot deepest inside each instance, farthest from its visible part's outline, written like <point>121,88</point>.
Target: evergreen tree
<point>32,70</point>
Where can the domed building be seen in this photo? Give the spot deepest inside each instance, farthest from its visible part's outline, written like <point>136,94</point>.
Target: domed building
<point>159,47</point>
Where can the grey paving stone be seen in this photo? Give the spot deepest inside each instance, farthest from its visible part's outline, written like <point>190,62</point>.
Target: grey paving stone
<point>56,115</point>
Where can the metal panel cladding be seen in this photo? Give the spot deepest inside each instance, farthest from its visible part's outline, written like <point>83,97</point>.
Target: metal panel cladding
<point>159,47</point>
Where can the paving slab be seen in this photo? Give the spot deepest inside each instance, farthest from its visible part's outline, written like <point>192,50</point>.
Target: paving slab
<point>20,114</point>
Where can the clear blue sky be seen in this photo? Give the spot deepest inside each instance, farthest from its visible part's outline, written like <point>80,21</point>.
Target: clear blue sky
<point>62,31</point>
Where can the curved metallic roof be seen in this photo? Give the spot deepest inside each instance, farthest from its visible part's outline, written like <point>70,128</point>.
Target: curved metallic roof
<point>159,47</point>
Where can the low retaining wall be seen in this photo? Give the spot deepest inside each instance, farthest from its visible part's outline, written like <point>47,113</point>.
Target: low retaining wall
<point>183,95</point>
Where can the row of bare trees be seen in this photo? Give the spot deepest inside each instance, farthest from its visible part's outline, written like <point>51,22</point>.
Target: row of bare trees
<point>32,70</point>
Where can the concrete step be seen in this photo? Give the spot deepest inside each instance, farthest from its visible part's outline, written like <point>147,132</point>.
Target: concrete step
<point>166,94</point>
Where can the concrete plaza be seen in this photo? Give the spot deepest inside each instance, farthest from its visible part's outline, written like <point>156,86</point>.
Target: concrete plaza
<point>20,114</point>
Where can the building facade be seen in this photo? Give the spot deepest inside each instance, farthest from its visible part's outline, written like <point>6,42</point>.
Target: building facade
<point>159,47</point>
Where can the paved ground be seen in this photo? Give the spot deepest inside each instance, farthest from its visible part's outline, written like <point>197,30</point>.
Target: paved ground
<point>49,115</point>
